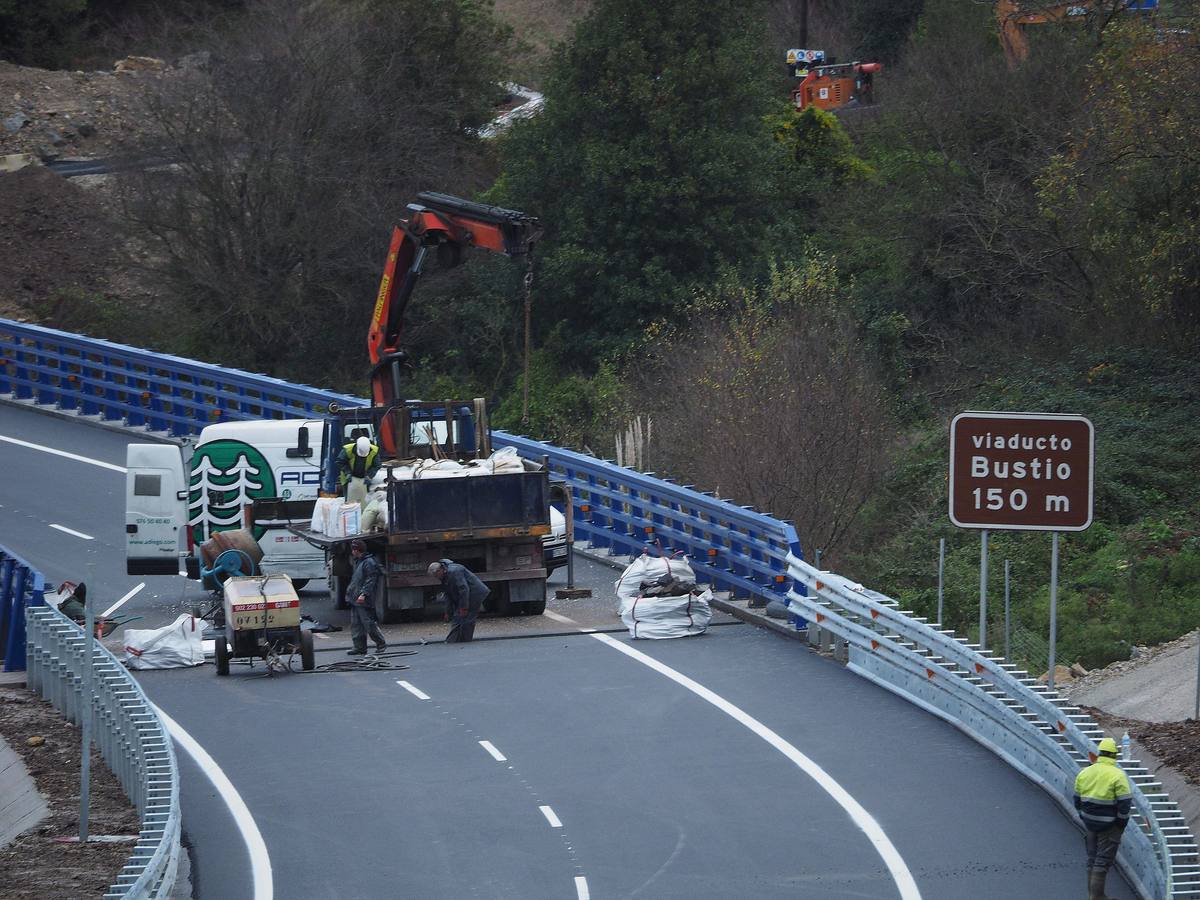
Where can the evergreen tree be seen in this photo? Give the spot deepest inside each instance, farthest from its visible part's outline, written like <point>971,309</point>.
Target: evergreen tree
<point>652,166</point>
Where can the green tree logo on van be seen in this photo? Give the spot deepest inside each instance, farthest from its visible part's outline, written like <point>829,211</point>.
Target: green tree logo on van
<point>226,475</point>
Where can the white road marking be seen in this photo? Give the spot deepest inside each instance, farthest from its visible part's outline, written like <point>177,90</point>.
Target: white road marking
<point>419,694</point>
<point>863,819</point>
<point>72,531</point>
<point>550,614</point>
<point>581,888</point>
<point>112,609</point>
<point>63,453</point>
<point>491,748</point>
<point>550,817</point>
<point>260,861</point>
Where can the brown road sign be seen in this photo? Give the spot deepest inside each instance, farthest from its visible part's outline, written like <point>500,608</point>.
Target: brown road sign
<point>1026,471</point>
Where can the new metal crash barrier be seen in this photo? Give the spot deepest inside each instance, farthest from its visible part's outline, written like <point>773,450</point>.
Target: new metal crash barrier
<point>129,735</point>
<point>1026,724</point>
<point>21,585</point>
<point>622,512</point>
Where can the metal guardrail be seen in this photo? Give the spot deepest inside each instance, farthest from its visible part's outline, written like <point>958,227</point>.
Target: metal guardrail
<point>1026,724</point>
<point>624,512</point>
<point>129,735</point>
<point>139,388</point>
<point>21,585</point>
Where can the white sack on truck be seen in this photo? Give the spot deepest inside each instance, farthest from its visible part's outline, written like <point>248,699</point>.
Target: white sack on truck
<point>659,599</point>
<point>324,513</point>
<point>170,647</point>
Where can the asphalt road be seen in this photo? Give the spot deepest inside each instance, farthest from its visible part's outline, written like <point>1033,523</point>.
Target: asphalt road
<point>614,772</point>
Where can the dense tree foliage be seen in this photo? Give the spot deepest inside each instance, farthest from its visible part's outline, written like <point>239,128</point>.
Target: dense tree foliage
<point>652,165</point>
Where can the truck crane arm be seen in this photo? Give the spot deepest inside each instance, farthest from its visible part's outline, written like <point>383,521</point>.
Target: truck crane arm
<point>448,226</point>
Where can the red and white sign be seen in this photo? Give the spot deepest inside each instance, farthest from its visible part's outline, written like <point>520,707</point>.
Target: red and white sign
<point>1023,471</point>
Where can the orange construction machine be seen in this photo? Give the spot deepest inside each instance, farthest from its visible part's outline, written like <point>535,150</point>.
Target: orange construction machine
<point>1012,16</point>
<point>448,226</point>
<point>833,86</point>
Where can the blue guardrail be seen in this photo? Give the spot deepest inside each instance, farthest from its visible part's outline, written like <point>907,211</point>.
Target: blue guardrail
<point>21,585</point>
<point>616,509</point>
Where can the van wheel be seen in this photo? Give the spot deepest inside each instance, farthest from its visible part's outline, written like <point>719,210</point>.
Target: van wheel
<point>300,583</point>
<point>221,650</point>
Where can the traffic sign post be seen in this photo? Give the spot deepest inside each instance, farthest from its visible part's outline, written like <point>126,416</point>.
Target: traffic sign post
<point>1021,472</point>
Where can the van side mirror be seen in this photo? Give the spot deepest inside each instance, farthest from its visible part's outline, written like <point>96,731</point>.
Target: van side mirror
<point>302,450</point>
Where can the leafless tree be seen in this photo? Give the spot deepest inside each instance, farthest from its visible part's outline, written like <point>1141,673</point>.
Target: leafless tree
<point>770,398</point>
<point>294,150</point>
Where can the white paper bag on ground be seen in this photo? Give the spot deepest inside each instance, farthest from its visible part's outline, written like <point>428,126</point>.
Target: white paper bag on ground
<point>667,617</point>
<point>169,647</point>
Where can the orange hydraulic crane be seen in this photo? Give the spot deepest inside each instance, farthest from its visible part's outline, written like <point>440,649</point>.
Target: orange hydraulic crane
<point>1012,16</point>
<point>448,226</point>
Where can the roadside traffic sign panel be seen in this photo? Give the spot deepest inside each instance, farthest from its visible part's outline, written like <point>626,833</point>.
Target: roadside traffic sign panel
<point>1023,471</point>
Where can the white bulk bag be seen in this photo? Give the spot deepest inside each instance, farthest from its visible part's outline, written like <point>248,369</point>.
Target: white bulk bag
<point>169,647</point>
<point>661,617</point>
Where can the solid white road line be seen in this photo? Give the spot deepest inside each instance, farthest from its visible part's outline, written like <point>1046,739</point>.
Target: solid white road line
<point>112,609</point>
<point>550,817</point>
<point>419,694</point>
<point>581,888</point>
<point>550,614</point>
<point>72,531</point>
<point>63,453</point>
<point>863,819</point>
<point>260,861</point>
<point>491,748</point>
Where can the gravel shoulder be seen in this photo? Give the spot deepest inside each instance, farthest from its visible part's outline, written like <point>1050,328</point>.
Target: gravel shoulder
<point>43,863</point>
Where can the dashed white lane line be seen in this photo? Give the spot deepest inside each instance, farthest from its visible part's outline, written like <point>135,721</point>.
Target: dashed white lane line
<point>416,692</point>
<point>550,817</point>
<point>112,609</point>
<point>63,453</point>
<point>491,748</point>
<point>581,888</point>
<point>260,860</point>
<point>863,819</point>
<point>72,531</point>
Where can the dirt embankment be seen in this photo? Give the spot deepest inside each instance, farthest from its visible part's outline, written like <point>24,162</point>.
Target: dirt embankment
<point>43,863</point>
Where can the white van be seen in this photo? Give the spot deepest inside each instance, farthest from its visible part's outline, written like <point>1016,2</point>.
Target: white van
<point>270,467</point>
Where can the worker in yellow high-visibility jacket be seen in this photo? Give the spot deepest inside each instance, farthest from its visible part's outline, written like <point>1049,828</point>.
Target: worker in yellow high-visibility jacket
<point>357,464</point>
<point>1102,799</point>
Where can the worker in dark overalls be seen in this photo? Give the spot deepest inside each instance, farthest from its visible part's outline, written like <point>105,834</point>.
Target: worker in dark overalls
<point>465,594</point>
<point>360,594</point>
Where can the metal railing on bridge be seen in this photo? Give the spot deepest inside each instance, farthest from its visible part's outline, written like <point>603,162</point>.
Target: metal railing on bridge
<point>21,585</point>
<point>623,512</point>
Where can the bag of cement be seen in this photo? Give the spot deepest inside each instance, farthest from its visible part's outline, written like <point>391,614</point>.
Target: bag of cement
<point>349,520</point>
<point>506,461</point>
<point>323,511</point>
<point>170,647</point>
<point>657,618</point>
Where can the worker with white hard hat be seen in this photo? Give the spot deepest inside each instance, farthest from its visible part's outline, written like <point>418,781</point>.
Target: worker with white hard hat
<point>357,464</point>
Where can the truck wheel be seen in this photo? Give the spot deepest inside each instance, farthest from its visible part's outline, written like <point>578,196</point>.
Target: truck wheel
<point>307,662</point>
<point>337,590</point>
<point>221,649</point>
<point>501,605</point>
<point>382,613</point>
<point>535,608</point>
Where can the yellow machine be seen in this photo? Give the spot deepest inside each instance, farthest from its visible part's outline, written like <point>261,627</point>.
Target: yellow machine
<point>262,619</point>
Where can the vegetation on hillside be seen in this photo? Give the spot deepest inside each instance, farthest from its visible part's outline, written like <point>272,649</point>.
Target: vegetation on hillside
<point>800,302</point>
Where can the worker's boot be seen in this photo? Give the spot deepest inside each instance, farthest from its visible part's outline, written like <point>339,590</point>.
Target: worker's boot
<point>1096,879</point>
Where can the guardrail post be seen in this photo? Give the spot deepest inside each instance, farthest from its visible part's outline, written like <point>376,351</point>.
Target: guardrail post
<point>14,646</point>
<point>7,565</point>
